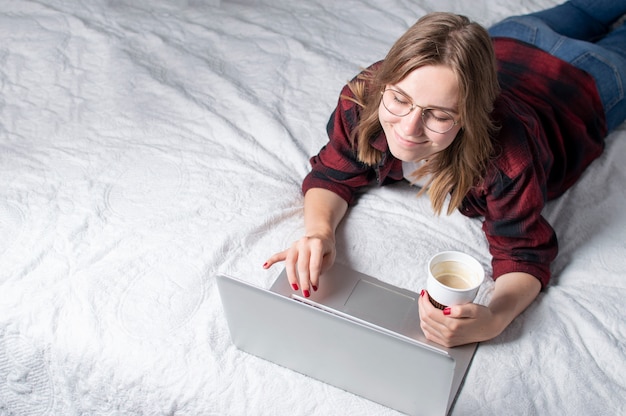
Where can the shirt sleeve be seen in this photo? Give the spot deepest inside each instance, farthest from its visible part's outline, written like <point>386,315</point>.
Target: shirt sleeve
<point>520,238</point>
<point>336,167</point>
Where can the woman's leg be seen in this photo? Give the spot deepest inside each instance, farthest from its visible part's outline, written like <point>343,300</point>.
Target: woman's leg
<point>615,40</point>
<point>588,20</point>
<point>583,19</point>
<point>612,92</point>
<point>605,11</point>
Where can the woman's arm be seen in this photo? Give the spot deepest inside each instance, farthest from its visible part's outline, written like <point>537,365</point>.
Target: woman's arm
<point>464,324</point>
<point>314,253</point>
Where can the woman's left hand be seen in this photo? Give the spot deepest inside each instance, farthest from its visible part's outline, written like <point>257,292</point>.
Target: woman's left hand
<point>464,324</point>
<point>457,325</point>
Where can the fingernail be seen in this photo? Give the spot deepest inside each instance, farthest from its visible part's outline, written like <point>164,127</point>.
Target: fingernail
<point>422,293</point>
<point>265,265</point>
<point>306,293</point>
<point>294,286</point>
<point>314,288</point>
<point>446,311</point>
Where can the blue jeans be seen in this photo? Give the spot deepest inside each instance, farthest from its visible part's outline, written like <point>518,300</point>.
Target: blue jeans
<point>580,32</point>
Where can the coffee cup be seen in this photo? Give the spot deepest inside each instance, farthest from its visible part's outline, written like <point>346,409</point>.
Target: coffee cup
<point>453,278</point>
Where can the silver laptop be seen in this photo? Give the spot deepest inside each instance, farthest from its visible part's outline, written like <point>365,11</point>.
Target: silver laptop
<point>356,333</point>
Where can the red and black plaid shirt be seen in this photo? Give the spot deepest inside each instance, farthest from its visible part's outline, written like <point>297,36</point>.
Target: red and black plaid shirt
<point>552,127</point>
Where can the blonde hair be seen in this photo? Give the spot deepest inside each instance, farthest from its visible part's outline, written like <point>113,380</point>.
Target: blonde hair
<point>466,48</point>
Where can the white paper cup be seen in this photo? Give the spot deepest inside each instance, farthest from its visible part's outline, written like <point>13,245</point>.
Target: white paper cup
<point>453,278</point>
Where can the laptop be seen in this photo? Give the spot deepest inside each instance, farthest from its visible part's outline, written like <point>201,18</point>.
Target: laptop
<point>356,333</point>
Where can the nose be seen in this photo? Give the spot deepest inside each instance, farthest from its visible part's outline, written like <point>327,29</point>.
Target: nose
<point>412,123</point>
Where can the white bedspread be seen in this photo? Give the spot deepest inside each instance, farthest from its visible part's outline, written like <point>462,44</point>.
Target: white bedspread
<point>147,145</point>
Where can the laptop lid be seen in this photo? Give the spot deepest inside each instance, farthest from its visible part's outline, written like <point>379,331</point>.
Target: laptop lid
<point>395,367</point>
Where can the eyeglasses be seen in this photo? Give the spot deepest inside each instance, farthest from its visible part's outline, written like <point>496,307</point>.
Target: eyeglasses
<point>434,119</point>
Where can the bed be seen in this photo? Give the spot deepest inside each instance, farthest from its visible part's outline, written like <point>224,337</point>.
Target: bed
<point>146,146</point>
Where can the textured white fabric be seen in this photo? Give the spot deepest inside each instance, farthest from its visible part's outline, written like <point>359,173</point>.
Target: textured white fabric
<point>146,146</point>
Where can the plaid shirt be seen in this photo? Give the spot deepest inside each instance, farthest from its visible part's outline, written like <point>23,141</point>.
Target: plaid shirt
<point>552,127</point>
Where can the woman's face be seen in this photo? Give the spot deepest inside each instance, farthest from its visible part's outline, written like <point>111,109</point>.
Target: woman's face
<point>432,87</point>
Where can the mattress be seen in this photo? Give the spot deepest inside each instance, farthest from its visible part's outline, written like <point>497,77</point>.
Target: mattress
<point>147,146</point>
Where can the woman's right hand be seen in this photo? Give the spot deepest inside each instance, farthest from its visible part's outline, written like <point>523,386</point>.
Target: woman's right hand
<point>305,261</point>
<point>314,253</point>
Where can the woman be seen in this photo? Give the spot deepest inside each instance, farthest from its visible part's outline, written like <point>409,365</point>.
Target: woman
<point>493,124</point>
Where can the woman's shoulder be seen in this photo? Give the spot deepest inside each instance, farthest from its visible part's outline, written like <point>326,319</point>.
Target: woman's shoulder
<point>360,83</point>
<point>518,61</point>
<point>554,87</point>
<point>513,143</point>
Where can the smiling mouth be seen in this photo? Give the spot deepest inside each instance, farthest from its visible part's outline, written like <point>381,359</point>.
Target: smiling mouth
<point>406,142</point>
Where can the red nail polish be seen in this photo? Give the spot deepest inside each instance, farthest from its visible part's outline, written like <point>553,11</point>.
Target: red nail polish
<point>306,293</point>
<point>294,286</point>
<point>446,311</point>
<point>422,293</point>
<point>314,288</point>
<point>265,265</point>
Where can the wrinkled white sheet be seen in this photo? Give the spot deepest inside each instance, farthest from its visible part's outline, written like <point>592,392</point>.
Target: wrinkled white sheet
<point>146,146</point>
